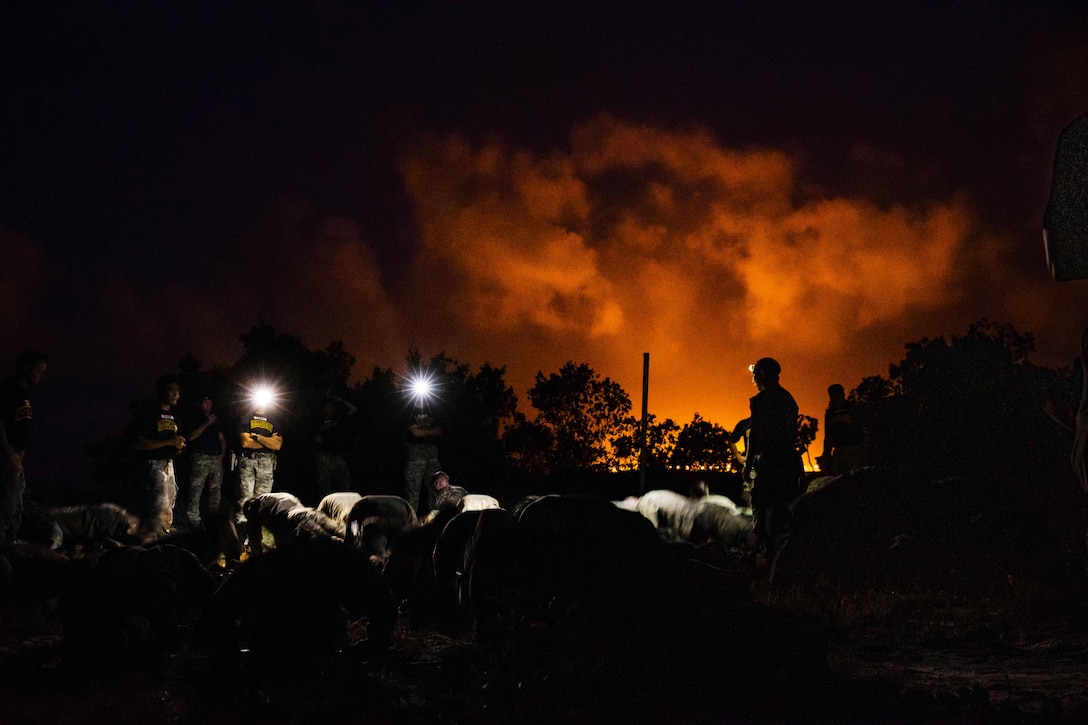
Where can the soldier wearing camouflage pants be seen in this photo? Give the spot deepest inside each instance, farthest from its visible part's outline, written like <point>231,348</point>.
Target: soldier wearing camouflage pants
<point>422,440</point>
<point>257,465</point>
<point>208,447</point>
<point>157,438</point>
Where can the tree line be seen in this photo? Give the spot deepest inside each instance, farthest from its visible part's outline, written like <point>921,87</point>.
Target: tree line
<point>963,404</point>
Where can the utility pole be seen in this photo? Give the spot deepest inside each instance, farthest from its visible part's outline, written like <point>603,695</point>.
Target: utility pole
<point>645,416</point>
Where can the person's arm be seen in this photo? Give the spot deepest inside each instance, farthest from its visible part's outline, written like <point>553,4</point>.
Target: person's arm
<point>273,442</point>
<point>199,430</point>
<point>249,441</point>
<point>143,444</point>
<point>740,457</point>
<point>222,444</point>
<point>755,435</point>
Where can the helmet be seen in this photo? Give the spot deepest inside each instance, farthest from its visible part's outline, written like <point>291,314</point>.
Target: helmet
<point>766,366</point>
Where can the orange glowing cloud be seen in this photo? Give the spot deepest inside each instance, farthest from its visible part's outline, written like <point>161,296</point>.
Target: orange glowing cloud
<point>639,238</point>
<point>502,237</point>
<point>834,267</point>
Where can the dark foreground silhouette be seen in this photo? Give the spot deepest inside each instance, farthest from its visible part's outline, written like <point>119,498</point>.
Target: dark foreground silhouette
<point>571,608</point>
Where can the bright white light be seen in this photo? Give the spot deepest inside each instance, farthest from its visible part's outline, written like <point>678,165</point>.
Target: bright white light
<point>262,396</point>
<point>422,388</point>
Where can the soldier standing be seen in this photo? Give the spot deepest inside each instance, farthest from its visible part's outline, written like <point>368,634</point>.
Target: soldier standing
<point>257,467</point>
<point>15,416</point>
<point>158,439</point>
<point>208,446</point>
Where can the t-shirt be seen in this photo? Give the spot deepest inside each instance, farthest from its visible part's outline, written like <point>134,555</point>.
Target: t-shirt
<point>259,424</point>
<point>16,413</point>
<point>427,431</point>
<point>158,425</point>
<point>208,441</point>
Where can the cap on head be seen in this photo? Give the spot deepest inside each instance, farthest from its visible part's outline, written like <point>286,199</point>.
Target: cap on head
<point>766,366</point>
<point>440,480</point>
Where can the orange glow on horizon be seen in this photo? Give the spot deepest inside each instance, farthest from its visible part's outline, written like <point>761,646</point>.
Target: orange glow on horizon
<point>632,238</point>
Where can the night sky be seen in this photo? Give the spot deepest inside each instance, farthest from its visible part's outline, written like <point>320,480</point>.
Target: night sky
<point>526,185</point>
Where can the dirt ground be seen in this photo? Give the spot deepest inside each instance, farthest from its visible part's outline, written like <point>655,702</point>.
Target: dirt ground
<point>873,675</point>
<point>1043,677</point>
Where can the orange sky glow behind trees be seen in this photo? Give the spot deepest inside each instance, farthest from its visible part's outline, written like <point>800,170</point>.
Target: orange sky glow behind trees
<point>631,239</point>
<point>641,239</point>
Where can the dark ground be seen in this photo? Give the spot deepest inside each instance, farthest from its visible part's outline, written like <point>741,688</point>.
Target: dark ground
<point>958,662</point>
<point>977,643</point>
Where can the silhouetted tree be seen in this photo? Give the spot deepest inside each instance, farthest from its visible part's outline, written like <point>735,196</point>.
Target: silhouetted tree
<point>584,414</point>
<point>301,375</point>
<point>660,443</point>
<point>703,446</point>
<point>970,403</point>
<point>528,446</point>
<point>338,363</point>
<point>491,406</point>
<point>807,426</point>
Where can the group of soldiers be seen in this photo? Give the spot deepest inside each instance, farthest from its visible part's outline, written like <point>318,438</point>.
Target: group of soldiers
<point>771,469</point>
<point>160,438</point>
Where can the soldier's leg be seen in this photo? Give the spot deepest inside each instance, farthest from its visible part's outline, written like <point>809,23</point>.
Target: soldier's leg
<point>169,497</point>
<point>215,487</point>
<point>154,494</point>
<point>13,485</point>
<point>247,473</point>
<point>413,479</point>
<point>263,475</point>
<point>760,518</point>
<point>433,466</point>
<point>197,477</point>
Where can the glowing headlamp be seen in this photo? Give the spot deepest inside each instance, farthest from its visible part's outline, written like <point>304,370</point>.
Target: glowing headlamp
<point>421,388</point>
<point>262,396</point>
